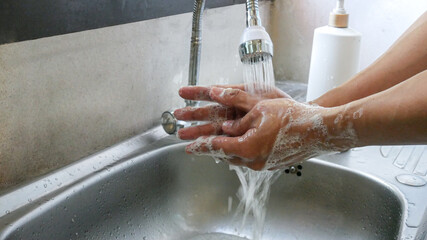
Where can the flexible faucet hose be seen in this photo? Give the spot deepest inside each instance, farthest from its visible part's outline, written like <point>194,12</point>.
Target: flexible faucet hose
<point>196,42</point>
<point>252,13</point>
<point>196,45</point>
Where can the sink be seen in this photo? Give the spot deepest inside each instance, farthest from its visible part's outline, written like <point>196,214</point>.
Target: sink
<point>147,188</point>
<point>162,193</point>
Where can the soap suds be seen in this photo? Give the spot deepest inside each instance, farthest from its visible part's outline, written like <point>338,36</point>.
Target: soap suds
<point>338,118</point>
<point>358,114</point>
<point>311,137</point>
<point>213,114</point>
<point>227,92</point>
<point>203,146</point>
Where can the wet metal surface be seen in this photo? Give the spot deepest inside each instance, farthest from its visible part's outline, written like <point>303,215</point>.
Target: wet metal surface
<point>148,188</point>
<point>167,194</point>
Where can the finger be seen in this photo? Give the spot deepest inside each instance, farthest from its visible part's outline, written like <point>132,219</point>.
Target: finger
<point>230,149</point>
<point>191,133</point>
<point>195,93</point>
<point>235,161</point>
<point>215,145</point>
<point>256,165</point>
<point>238,127</point>
<point>233,98</point>
<point>241,146</point>
<point>233,86</point>
<point>206,113</point>
<point>275,93</point>
<point>218,148</point>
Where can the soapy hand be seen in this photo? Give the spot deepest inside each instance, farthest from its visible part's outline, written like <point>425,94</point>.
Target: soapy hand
<point>233,101</point>
<point>263,133</point>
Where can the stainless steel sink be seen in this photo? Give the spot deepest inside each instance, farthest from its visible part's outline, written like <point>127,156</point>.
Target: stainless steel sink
<point>147,188</point>
<point>162,193</point>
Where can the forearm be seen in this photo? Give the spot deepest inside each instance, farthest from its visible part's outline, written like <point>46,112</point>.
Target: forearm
<point>406,58</point>
<point>397,115</point>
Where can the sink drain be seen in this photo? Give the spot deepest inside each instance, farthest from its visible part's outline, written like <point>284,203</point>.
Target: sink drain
<point>294,170</point>
<point>411,180</point>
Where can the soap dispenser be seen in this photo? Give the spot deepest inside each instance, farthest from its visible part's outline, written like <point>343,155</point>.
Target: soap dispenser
<point>335,54</point>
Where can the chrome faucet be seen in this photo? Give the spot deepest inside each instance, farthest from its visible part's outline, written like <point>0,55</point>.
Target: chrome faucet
<point>255,44</point>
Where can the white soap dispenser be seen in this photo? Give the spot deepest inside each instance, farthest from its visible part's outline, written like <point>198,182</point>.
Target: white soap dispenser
<point>335,54</point>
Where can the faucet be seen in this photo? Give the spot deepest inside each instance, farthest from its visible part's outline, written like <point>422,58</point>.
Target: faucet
<point>255,44</point>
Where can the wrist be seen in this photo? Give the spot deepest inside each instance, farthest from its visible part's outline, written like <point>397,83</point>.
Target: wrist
<point>341,134</point>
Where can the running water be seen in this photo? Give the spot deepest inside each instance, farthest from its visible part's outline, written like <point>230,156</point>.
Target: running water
<point>255,186</point>
<point>258,74</point>
<point>253,194</point>
<point>216,236</point>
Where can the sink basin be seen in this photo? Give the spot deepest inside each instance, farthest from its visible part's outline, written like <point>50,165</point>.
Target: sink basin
<point>164,193</point>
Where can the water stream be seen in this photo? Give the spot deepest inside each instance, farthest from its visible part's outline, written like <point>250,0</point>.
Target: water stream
<point>255,185</point>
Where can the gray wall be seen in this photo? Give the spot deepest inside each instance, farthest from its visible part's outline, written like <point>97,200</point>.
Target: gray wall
<point>65,97</point>
<point>68,96</point>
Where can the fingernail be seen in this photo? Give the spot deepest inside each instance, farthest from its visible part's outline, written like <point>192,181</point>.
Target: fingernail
<point>183,134</point>
<point>196,146</point>
<point>177,112</point>
<point>179,134</point>
<point>181,112</point>
<point>180,91</point>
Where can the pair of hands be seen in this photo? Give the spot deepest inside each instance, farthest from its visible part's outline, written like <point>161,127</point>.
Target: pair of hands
<point>269,131</point>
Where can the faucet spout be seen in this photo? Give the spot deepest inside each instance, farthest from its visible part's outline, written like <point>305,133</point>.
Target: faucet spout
<point>255,43</point>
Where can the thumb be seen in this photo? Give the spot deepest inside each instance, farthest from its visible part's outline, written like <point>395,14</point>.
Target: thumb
<point>238,127</point>
<point>233,98</point>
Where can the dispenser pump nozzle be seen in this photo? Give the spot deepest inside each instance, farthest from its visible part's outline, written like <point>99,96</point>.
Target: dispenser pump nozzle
<point>338,17</point>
